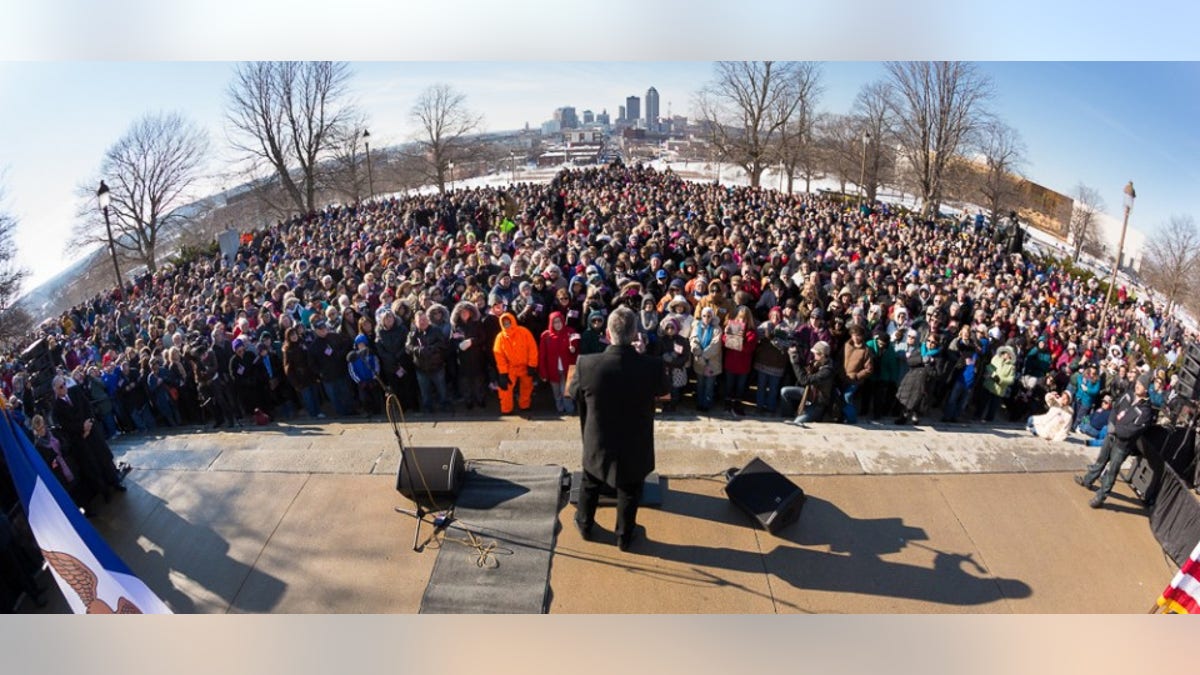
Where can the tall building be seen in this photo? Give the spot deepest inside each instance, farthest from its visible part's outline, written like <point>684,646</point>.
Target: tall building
<point>620,113</point>
<point>588,117</point>
<point>651,107</point>
<point>566,118</point>
<point>602,118</point>
<point>633,109</point>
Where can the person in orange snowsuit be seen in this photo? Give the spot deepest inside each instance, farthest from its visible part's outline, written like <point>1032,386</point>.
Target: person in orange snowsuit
<point>516,361</point>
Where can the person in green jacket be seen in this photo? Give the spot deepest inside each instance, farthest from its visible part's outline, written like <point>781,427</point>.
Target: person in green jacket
<point>882,384</point>
<point>1001,372</point>
<point>592,340</point>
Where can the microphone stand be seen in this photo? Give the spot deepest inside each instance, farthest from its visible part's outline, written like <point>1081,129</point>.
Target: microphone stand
<point>420,512</point>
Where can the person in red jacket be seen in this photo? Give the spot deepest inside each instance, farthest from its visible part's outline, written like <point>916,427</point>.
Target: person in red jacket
<point>557,351</point>
<point>516,360</point>
<point>740,340</point>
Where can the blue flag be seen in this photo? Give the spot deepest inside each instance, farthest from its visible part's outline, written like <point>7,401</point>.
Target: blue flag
<point>92,578</point>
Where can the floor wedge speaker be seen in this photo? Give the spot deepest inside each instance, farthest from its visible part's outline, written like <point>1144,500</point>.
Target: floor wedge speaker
<point>426,473</point>
<point>766,495</point>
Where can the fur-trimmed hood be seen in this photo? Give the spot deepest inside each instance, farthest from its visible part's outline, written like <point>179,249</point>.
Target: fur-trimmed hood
<point>455,318</point>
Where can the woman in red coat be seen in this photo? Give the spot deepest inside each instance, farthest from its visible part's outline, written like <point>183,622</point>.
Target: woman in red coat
<point>739,339</point>
<point>557,350</point>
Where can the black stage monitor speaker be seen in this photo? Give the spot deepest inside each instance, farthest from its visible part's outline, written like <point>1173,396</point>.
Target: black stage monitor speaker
<point>36,350</point>
<point>1142,478</point>
<point>430,473</point>
<point>767,495</point>
<point>1186,385</point>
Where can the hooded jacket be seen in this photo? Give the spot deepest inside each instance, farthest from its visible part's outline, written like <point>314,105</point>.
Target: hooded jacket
<point>1000,373</point>
<point>514,348</point>
<point>439,317</point>
<point>557,350</point>
<point>675,351</point>
<point>591,340</point>
<point>472,361</point>
<point>389,342</point>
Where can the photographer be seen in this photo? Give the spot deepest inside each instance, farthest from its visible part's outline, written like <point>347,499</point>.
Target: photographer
<point>814,384</point>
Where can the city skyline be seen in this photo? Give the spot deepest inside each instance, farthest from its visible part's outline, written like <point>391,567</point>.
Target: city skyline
<point>1101,124</point>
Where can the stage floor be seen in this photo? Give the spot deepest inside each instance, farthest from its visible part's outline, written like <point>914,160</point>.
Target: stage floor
<point>301,519</point>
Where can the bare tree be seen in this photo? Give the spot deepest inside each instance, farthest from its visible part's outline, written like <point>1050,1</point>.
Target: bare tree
<point>840,139</point>
<point>347,172</point>
<point>745,108</point>
<point>797,148</point>
<point>284,116</point>
<point>938,106</point>
<point>14,320</point>
<point>1003,154</point>
<point>444,124</point>
<point>151,171</point>
<point>1082,229</point>
<point>1171,261</point>
<point>871,106</point>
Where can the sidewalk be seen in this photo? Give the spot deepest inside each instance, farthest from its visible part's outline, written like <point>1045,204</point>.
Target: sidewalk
<point>296,518</point>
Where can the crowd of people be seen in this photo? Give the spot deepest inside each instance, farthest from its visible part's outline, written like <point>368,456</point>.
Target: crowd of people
<point>806,308</point>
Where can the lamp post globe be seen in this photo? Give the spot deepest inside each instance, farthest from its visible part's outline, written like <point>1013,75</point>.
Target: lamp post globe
<point>104,197</point>
<point>366,136</point>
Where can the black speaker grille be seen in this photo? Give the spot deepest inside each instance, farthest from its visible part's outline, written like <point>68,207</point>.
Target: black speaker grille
<point>767,495</point>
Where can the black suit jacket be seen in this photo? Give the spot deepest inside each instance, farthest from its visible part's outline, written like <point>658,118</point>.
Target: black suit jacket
<point>71,417</point>
<point>615,392</point>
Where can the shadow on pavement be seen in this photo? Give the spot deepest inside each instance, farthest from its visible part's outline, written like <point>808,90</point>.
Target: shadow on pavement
<point>853,562</point>
<point>160,546</point>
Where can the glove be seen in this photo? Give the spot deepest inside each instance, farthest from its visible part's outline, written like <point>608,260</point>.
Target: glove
<point>532,371</point>
<point>503,382</point>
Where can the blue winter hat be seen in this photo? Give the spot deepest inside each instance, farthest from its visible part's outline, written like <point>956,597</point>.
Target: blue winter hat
<point>238,343</point>
<point>360,340</point>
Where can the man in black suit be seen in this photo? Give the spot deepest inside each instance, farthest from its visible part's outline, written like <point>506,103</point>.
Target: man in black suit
<point>73,413</point>
<point>615,392</point>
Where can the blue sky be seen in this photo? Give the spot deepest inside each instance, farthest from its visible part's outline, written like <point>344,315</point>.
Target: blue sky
<point>1098,123</point>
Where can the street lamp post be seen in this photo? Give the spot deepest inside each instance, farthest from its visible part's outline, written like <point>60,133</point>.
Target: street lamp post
<point>451,165</point>
<point>862,174</point>
<point>105,199</point>
<point>370,178</point>
<point>512,166</point>
<point>1130,195</point>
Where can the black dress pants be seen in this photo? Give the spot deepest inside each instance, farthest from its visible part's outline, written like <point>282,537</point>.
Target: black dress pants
<point>628,498</point>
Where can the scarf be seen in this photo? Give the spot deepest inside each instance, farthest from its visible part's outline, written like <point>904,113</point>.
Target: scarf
<point>707,331</point>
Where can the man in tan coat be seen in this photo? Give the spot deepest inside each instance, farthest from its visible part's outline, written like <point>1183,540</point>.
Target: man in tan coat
<point>722,306</point>
<point>856,368</point>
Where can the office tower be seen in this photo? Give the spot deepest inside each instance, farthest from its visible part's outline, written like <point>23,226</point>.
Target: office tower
<point>633,109</point>
<point>566,118</point>
<point>651,107</point>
